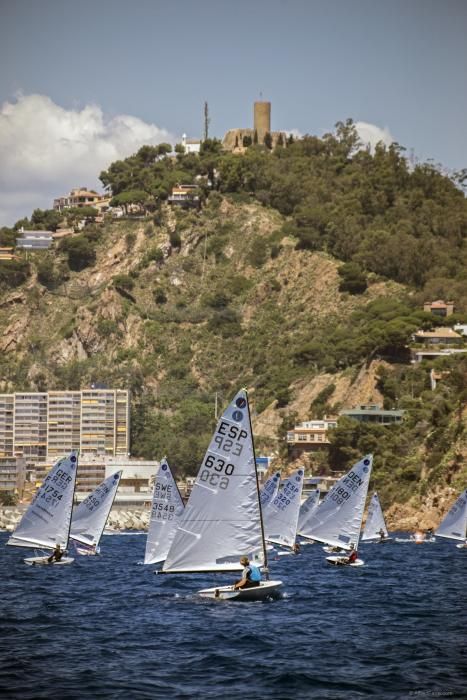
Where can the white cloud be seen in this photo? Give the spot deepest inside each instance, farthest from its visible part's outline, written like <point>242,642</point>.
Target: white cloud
<point>370,135</point>
<point>45,150</point>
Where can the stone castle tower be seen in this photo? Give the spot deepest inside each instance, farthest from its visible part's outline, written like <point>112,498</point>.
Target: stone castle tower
<point>262,119</point>
<point>238,139</point>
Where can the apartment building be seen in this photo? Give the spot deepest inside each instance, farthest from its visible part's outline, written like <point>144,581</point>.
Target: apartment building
<point>41,426</point>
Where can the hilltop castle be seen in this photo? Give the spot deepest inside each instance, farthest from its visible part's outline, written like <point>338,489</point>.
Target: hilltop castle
<point>237,140</point>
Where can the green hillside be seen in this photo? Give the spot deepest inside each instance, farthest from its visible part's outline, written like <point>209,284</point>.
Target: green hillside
<point>305,266</point>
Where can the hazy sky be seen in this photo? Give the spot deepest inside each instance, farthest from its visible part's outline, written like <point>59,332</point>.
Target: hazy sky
<point>84,83</point>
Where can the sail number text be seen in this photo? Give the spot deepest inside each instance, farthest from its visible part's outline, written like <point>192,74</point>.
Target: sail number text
<point>352,483</point>
<point>228,439</point>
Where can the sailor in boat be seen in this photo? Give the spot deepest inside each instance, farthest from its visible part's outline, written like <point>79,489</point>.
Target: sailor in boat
<point>353,556</point>
<point>56,555</point>
<point>381,535</point>
<point>251,576</point>
<point>296,548</point>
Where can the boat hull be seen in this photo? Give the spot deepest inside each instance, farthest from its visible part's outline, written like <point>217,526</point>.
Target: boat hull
<point>332,550</point>
<point>339,561</point>
<point>266,589</point>
<point>42,561</point>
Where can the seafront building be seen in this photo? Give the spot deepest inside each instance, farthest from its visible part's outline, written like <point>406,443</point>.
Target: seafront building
<point>40,427</point>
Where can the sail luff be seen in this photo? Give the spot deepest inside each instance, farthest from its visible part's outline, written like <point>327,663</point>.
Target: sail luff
<point>263,539</point>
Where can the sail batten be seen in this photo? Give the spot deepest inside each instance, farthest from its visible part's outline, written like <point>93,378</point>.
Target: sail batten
<point>223,507</point>
<point>337,520</point>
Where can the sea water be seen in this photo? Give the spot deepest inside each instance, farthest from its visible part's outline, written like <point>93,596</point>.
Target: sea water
<point>107,627</point>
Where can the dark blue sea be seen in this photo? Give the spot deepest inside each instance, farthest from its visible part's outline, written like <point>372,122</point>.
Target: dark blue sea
<point>107,627</point>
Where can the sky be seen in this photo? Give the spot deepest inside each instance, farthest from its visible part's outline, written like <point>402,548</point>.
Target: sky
<point>83,84</point>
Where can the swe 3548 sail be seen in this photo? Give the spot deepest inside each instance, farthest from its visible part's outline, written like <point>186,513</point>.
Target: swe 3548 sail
<point>167,508</point>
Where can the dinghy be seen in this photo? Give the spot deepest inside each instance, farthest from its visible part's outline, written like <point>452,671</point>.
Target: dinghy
<point>280,516</point>
<point>337,521</point>
<point>46,522</point>
<point>222,520</point>
<point>90,517</point>
<point>166,510</point>
<point>454,524</point>
<point>375,529</point>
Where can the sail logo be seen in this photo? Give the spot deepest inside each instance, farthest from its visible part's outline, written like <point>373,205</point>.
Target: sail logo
<point>240,402</point>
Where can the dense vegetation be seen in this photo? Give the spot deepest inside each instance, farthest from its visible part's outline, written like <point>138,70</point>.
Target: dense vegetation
<point>198,303</point>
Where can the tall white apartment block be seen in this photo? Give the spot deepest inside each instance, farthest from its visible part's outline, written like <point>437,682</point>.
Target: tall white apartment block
<point>39,426</point>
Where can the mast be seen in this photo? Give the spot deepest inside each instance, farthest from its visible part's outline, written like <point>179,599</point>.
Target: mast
<point>265,555</point>
<point>72,501</point>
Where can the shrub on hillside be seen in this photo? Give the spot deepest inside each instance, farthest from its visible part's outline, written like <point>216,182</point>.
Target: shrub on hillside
<point>13,273</point>
<point>353,279</point>
<point>80,250</point>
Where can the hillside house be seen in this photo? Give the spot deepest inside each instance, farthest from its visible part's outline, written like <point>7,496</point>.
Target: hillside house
<point>373,413</point>
<point>191,145</point>
<point>184,196</point>
<point>439,307</point>
<point>34,240</point>
<point>309,436</point>
<point>82,197</point>
<point>439,336</point>
<point>7,254</point>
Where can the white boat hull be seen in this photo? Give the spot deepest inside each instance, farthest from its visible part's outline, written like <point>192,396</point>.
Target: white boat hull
<point>461,546</point>
<point>42,561</point>
<point>340,561</point>
<point>266,589</point>
<point>386,539</point>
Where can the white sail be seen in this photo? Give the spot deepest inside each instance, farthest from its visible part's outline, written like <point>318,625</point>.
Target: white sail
<point>454,524</point>
<point>338,519</point>
<point>375,521</point>
<point>222,519</point>
<point>306,511</point>
<point>47,520</point>
<point>89,518</point>
<point>281,514</point>
<point>270,489</point>
<point>167,508</point>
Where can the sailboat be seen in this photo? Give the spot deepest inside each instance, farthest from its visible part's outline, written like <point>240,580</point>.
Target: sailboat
<point>90,517</point>
<point>47,520</point>
<point>270,489</point>
<point>167,508</point>
<point>375,527</point>
<point>454,524</point>
<point>281,514</point>
<point>306,510</point>
<point>222,520</point>
<point>338,519</point>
